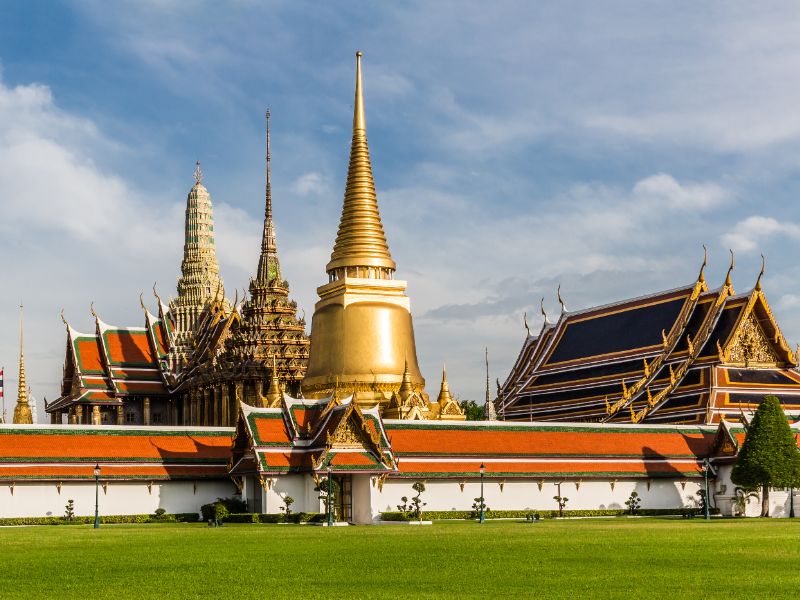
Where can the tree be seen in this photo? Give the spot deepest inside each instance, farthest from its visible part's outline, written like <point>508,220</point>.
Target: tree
<point>69,512</point>
<point>741,498</point>
<point>562,502</point>
<point>416,501</point>
<point>633,502</point>
<point>286,509</point>
<point>322,488</point>
<point>472,410</point>
<point>769,456</point>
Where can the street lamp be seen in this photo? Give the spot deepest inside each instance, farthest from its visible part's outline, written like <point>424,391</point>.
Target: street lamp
<point>483,472</point>
<point>330,499</point>
<point>97,496</point>
<point>706,467</point>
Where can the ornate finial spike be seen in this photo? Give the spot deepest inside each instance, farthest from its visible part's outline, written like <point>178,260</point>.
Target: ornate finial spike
<point>359,122</point>
<point>541,308</point>
<point>141,300</point>
<point>728,281</point>
<point>155,293</point>
<point>761,273</point>
<point>91,309</point>
<point>560,301</point>
<point>198,173</point>
<point>525,321</point>
<point>64,320</point>
<point>702,276</point>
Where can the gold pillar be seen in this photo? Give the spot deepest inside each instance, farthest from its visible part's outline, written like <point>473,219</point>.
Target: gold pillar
<point>96,415</point>
<point>185,409</point>
<point>79,414</point>
<point>238,396</point>
<point>225,402</point>
<point>146,411</point>
<point>120,415</point>
<point>217,406</point>
<point>194,412</point>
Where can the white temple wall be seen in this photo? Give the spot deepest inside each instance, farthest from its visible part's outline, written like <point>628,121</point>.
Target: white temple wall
<point>444,495</point>
<point>724,494</point>
<point>42,499</point>
<point>299,487</point>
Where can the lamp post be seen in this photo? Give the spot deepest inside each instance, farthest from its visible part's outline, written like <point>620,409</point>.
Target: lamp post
<point>480,515</point>
<point>97,496</point>
<point>330,499</point>
<point>791,503</point>
<point>706,467</point>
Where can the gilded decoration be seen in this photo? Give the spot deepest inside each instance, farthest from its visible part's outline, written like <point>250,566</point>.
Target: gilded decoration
<point>751,344</point>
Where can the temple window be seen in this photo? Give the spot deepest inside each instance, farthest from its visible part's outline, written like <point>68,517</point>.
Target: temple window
<point>130,417</point>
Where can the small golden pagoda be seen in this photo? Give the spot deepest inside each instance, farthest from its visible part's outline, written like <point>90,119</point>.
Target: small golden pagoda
<point>22,411</point>
<point>362,335</point>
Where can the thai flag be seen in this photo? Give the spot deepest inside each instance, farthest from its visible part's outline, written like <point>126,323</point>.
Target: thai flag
<point>1,383</point>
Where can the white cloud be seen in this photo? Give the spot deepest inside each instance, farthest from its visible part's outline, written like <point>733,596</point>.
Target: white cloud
<point>753,231</point>
<point>312,183</point>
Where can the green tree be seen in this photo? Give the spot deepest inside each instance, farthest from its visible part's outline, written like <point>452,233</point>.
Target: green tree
<point>633,502</point>
<point>769,456</point>
<point>472,409</point>
<point>416,501</point>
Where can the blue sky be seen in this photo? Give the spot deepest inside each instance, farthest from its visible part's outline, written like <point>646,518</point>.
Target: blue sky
<point>515,146</point>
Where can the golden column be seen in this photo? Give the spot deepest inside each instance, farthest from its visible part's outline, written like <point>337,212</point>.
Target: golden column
<point>22,411</point>
<point>361,333</point>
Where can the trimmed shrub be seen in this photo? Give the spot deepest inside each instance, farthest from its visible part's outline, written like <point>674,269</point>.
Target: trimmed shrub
<point>107,519</point>
<point>544,514</point>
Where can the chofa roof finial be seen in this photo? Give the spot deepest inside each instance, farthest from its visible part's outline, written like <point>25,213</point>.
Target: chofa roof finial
<point>728,281</point>
<point>761,273</point>
<point>541,308</point>
<point>701,277</point>
<point>560,301</point>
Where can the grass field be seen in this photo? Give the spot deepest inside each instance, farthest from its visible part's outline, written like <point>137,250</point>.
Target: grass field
<point>601,558</point>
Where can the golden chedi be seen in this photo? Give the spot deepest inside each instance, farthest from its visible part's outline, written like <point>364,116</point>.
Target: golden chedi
<point>362,334</point>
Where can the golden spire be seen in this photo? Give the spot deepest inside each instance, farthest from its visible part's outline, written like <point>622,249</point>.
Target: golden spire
<point>274,391</point>
<point>360,242</point>
<point>22,411</point>
<point>406,389</point>
<point>269,269</point>
<point>444,391</point>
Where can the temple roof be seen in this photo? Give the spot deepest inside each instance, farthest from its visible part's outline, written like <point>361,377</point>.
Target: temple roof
<point>643,358</point>
<point>60,452</point>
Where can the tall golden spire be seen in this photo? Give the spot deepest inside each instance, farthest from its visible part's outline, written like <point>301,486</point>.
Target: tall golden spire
<point>22,411</point>
<point>269,268</point>
<point>360,249</point>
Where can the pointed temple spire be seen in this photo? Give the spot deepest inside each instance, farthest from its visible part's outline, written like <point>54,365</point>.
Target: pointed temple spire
<point>360,249</point>
<point>22,411</point>
<point>270,339</point>
<point>269,267</point>
<point>444,392</point>
<point>199,282</point>
<point>489,412</point>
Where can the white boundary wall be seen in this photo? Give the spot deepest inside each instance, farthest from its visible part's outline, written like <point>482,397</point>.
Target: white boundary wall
<point>524,494</point>
<point>43,499</point>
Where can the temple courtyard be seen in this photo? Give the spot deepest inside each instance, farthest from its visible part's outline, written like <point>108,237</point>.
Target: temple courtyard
<point>597,558</point>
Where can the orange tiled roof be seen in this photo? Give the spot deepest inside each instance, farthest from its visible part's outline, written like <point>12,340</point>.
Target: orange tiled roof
<point>54,451</point>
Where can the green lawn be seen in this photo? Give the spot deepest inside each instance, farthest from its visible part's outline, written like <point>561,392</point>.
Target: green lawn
<point>601,558</point>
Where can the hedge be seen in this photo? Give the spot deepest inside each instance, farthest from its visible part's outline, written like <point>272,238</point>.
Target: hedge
<point>105,519</point>
<point>298,517</point>
<point>544,514</point>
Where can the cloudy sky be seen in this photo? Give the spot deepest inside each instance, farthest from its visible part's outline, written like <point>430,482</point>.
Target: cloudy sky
<point>516,146</point>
